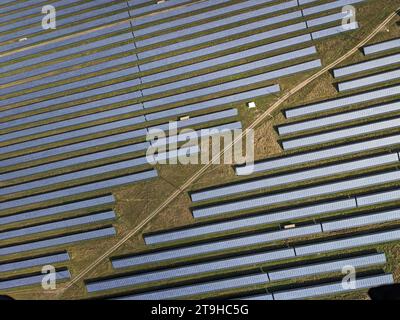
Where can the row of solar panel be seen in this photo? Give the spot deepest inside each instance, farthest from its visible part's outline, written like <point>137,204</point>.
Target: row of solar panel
<point>340,134</point>
<point>327,289</point>
<point>296,195</point>
<point>309,174</point>
<point>343,102</point>
<point>258,279</point>
<point>380,109</point>
<point>34,262</point>
<point>227,263</point>
<point>214,246</point>
<point>32,280</point>
<point>308,157</point>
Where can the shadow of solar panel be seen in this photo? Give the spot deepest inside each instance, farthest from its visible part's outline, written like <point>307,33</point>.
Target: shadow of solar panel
<point>73,134</point>
<point>233,283</point>
<point>294,177</point>
<point>329,6</point>
<point>326,267</point>
<point>325,189</point>
<point>31,280</point>
<point>332,288</point>
<point>224,46</point>
<point>227,58</point>
<point>213,103</point>
<point>34,262</point>
<point>223,34</point>
<point>52,242</point>
<point>360,221</point>
<point>53,226</point>
<point>287,57</point>
<point>378,197</point>
<point>287,215</point>
<point>101,187</point>
<point>342,102</point>
<point>340,134</point>
<point>382,46</point>
<point>57,210</point>
<point>334,30</point>
<point>318,155</point>
<point>368,65</point>
<point>234,84</point>
<point>209,266</point>
<point>215,246</point>
<point>349,242</point>
<point>339,118</point>
<point>223,22</point>
<point>369,81</point>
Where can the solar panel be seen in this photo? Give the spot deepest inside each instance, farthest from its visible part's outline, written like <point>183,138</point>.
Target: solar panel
<point>69,110</point>
<point>195,17</point>
<point>339,118</point>
<point>73,134</point>
<point>326,267</point>
<point>237,70</point>
<point>343,102</point>
<point>56,241</point>
<point>361,221</point>
<point>382,46</point>
<point>198,268</point>
<point>378,198</point>
<point>101,187</point>
<point>239,18</point>
<point>88,119</point>
<point>337,287</point>
<point>273,217</point>
<point>319,155</point>
<point>329,6</point>
<point>173,112</point>
<point>45,93</point>
<point>349,242</point>
<point>227,58</point>
<point>65,44</point>
<point>329,18</point>
<point>34,262</point>
<point>53,211</point>
<point>63,224</point>
<point>368,81</point>
<point>259,184</point>
<point>334,30</point>
<point>155,7</point>
<point>108,154</point>
<point>202,288</point>
<point>215,246</point>
<point>285,197</point>
<point>223,34</point>
<point>340,134</point>
<point>67,60</point>
<point>224,46</point>
<point>80,146</point>
<point>234,84</point>
<point>260,297</point>
<point>31,280</point>
<point>71,75</point>
<point>368,65</point>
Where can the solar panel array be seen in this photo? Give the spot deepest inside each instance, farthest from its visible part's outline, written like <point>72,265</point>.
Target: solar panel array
<point>88,95</point>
